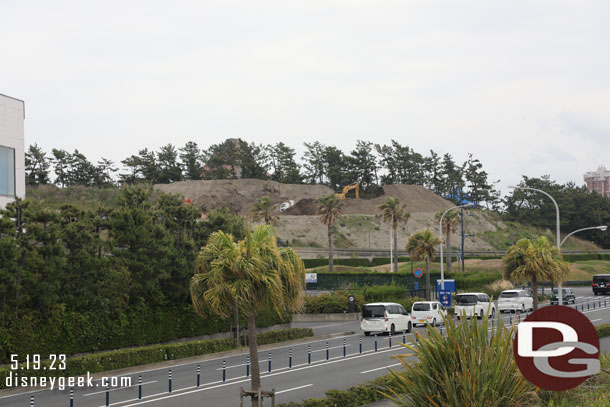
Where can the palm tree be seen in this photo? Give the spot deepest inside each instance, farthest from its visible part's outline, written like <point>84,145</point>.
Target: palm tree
<point>534,260</point>
<point>253,272</point>
<point>329,209</point>
<point>450,222</point>
<point>393,212</point>
<point>422,245</point>
<point>262,209</point>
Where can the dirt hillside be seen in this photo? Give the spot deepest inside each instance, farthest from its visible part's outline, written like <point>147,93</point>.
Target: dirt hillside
<point>239,195</point>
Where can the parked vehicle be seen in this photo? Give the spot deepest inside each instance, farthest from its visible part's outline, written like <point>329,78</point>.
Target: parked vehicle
<point>428,312</point>
<point>515,300</point>
<point>384,317</point>
<point>474,305</point>
<point>601,284</point>
<point>568,296</point>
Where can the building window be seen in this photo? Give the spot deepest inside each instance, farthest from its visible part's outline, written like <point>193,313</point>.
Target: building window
<point>7,171</point>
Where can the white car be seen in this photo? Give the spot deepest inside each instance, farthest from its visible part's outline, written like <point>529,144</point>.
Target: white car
<point>384,317</point>
<point>474,305</point>
<point>428,312</point>
<point>515,300</point>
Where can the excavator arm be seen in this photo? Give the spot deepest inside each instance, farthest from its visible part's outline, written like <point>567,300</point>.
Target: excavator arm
<point>347,188</point>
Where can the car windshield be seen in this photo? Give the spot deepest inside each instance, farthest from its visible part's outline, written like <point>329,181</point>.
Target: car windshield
<point>373,311</point>
<point>421,306</point>
<point>466,299</point>
<point>509,295</point>
<point>601,279</point>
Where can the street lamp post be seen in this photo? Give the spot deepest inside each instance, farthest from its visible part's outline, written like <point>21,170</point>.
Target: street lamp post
<point>559,288</point>
<point>602,228</point>
<point>468,205</point>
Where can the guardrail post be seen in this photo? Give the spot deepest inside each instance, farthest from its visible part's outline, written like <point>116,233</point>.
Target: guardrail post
<point>139,387</point>
<point>107,396</point>
<point>327,353</point>
<point>247,366</point>
<point>198,375</point>
<point>71,397</point>
<point>344,348</point>
<point>224,371</point>
<point>404,337</point>
<point>31,401</point>
<point>510,321</point>
<point>587,306</point>
<point>269,362</point>
<point>309,354</point>
<point>375,343</point>
<point>290,358</point>
<point>169,378</point>
<point>360,345</point>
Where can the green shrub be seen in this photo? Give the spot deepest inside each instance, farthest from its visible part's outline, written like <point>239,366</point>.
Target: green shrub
<point>335,302</point>
<point>472,365</point>
<point>603,330</point>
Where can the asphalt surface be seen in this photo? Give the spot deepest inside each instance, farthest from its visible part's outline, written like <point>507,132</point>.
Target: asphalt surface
<point>302,380</point>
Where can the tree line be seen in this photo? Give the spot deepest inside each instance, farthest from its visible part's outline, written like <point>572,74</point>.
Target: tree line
<point>370,164</point>
<point>83,269</point>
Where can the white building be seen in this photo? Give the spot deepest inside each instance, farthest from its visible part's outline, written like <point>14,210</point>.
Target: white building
<point>12,149</point>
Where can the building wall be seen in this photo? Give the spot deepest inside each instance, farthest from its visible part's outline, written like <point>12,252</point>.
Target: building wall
<point>12,117</point>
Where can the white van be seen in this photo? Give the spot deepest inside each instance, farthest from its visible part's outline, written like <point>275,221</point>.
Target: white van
<point>515,300</point>
<point>428,312</point>
<point>384,317</point>
<point>474,305</point>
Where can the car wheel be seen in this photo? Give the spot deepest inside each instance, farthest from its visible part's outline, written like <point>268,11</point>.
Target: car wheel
<point>392,330</point>
<point>366,333</point>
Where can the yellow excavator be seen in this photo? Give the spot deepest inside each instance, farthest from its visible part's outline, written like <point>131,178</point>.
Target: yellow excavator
<point>347,188</point>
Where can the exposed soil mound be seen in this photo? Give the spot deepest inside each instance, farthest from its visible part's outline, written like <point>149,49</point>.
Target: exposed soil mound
<point>240,194</point>
<point>305,206</point>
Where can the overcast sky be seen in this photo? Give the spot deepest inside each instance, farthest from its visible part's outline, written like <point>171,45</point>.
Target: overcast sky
<point>523,85</point>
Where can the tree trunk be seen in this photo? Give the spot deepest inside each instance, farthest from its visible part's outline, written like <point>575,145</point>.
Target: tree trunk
<point>236,324</point>
<point>428,296</point>
<point>254,365</point>
<point>535,291</point>
<point>330,248</point>
<point>395,248</point>
<point>448,255</point>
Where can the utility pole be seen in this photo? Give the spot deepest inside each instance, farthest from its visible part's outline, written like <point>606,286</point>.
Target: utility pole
<point>462,234</point>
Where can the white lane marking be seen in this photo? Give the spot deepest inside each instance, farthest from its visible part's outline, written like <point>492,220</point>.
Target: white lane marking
<point>322,363</point>
<point>294,388</point>
<point>380,368</point>
<point>595,320</point>
<point>117,388</point>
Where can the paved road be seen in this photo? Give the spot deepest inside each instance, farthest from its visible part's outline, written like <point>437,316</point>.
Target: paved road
<point>301,381</point>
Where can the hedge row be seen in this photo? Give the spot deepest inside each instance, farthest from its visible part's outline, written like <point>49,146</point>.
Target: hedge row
<point>123,358</point>
<point>65,332</point>
<point>378,261</point>
<point>603,330</point>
